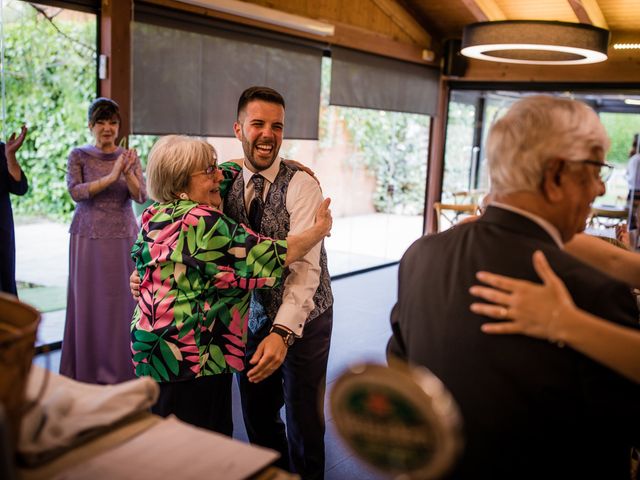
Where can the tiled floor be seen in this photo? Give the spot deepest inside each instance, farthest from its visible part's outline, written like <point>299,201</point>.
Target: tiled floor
<point>360,333</point>
<point>349,248</point>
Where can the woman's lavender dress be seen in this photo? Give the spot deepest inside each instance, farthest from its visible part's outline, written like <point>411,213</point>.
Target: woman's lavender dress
<point>96,345</point>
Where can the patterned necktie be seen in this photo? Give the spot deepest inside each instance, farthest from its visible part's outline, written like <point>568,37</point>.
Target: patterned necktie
<point>257,315</point>
<point>257,204</point>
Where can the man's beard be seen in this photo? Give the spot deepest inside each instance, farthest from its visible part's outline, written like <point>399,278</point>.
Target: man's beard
<point>258,164</point>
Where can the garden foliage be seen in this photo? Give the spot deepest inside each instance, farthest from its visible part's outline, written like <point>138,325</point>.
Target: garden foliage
<point>50,79</point>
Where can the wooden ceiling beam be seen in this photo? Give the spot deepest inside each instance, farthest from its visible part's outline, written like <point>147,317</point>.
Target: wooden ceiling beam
<point>403,19</point>
<point>115,39</point>
<point>431,28</point>
<point>580,11</point>
<point>358,38</point>
<point>589,12</point>
<point>485,10</point>
<point>345,35</point>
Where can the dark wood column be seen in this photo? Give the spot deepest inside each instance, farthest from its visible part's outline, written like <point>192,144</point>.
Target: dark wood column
<point>115,44</point>
<point>436,157</point>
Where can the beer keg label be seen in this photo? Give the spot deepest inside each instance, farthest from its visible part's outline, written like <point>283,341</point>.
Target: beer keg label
<point>399,420</point>
<point>386,429</point>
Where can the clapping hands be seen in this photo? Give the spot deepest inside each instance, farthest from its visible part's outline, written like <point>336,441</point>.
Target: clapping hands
<point>131,162</point>
<point>126,163</point>
<point>14,143</point>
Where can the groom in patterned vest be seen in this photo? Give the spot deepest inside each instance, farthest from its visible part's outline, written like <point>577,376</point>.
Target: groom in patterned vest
<point>290,326</point>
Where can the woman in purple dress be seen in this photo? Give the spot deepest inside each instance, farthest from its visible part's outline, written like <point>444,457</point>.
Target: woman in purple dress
<point>102,179</point>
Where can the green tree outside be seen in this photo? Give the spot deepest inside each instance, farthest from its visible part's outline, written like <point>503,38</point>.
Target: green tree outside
<point>392,146</point>
<point>50,79</point>
<point>621,128</point>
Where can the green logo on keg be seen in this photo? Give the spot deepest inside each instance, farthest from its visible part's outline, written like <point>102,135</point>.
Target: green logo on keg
<point>386,429</point>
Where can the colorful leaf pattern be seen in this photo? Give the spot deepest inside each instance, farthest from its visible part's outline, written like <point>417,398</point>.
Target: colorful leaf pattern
<point>197,268</point>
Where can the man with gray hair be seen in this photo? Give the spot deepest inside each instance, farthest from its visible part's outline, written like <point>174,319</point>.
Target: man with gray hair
<point>531,408</point>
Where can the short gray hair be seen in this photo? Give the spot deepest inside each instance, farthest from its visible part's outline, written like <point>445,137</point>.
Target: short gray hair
<point>535,130</point>
<point>171,162</point>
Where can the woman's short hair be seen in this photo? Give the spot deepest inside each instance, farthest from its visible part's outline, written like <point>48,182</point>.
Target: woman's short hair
<point>103,108</point>
<point>171,162</point>
<point>535,130</point>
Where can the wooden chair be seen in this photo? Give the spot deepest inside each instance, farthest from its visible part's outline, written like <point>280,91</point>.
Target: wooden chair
<point>448,214</point>
<point>461,197</point>
<point>464,197</point>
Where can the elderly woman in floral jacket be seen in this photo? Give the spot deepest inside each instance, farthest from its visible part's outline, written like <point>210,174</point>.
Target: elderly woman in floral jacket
<point>197,268</point>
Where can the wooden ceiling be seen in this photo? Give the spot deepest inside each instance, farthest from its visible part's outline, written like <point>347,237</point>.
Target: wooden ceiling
<point>416,30</point>
<point>415,21</point>
<point>447,18</point>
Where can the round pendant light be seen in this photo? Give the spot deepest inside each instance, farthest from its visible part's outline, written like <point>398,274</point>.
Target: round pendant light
<point>538,42</point>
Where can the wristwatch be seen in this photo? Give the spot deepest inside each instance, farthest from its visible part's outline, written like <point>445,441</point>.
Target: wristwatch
<point>287,335</point>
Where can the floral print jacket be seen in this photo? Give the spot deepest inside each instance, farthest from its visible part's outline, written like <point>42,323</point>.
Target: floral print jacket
<point>197,269</point>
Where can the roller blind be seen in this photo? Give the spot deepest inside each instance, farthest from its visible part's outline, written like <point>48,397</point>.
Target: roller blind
<point>370,81</point>
<point>188,72</point>
<point>90,6</point>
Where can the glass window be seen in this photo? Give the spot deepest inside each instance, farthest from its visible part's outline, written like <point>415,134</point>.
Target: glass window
<point>373,164</point>
<point>472,112</point>
<point>48,80</point>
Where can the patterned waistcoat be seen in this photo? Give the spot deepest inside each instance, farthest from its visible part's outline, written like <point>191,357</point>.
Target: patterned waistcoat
<point>275,224</point>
